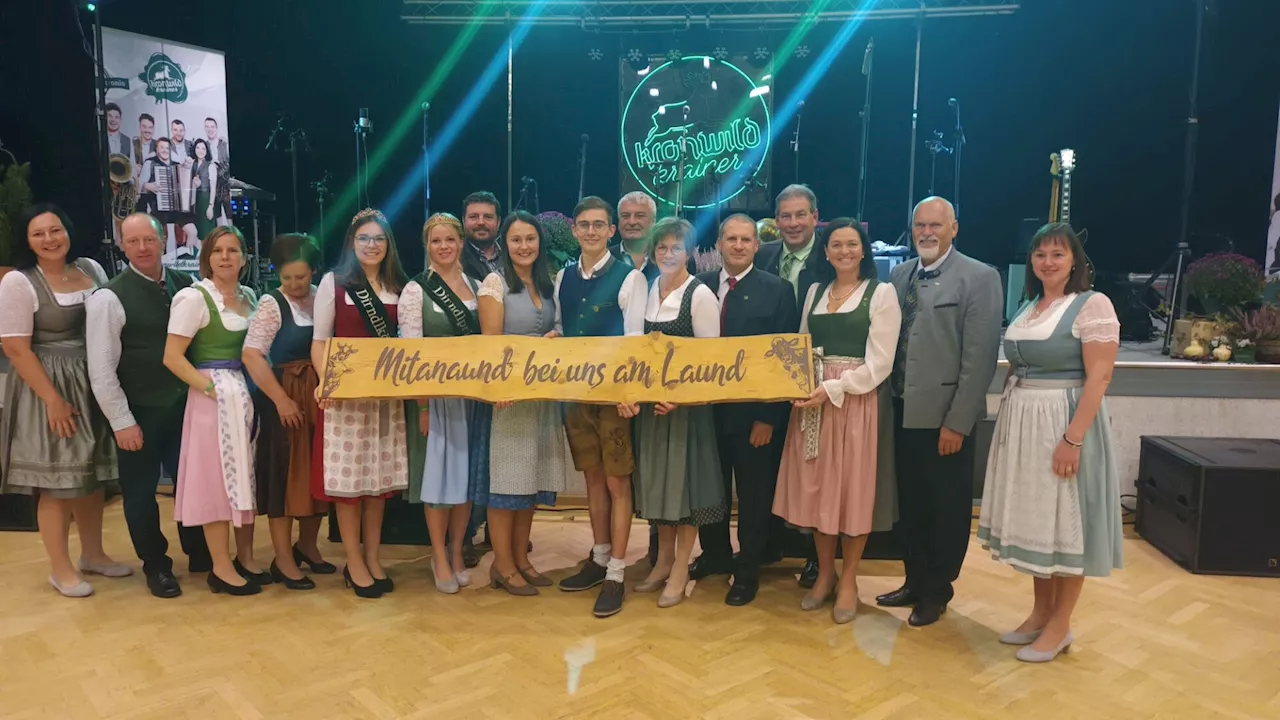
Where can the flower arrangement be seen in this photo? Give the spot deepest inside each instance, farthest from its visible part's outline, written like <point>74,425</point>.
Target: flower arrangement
<point>1225,280</point>
<point>705,260</point>
<point>557,233</point>
<point>1256,331</point>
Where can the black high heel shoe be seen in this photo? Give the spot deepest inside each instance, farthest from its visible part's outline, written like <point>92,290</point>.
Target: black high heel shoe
<point>218,585</point>
<point>319,568</point>
<point>364,591</point>
<point>262,578</point>
<point>305,583</point>
<point>384,585</point>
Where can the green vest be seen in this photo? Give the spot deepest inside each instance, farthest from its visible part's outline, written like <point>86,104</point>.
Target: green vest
<point>213,342</point>
<point>143,377</point>
<point>843,334</point>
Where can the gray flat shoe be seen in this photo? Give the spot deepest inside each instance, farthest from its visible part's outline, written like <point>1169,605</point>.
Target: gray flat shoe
<point>1021,638</point>
<point>114,569</point>
<point>810,603</point>
<point>648,586</point>
<point>79,590</point>
<point>666,601</point>
<point>842,616</point>
<point>448,587</point>
<point>1028,655</point>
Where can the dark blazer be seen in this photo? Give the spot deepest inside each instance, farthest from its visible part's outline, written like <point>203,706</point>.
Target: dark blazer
<point>769,259</point>
<point>473,265</point>
<point>761,304</point>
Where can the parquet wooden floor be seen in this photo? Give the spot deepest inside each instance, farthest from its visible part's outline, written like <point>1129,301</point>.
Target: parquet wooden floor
<point>1153,642</point>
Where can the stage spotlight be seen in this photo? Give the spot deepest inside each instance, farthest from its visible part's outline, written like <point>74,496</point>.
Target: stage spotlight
<point>706,62</point>
<point>638,60</point>
<point>714,86</point>
<point>91,7</point>
<point>653,92</point>
<point>762,90</point>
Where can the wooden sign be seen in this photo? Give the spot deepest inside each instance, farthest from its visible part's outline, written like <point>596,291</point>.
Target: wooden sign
<point>651,368</point>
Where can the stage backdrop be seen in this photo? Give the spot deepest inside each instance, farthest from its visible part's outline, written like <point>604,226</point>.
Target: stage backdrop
<point>160,89</point>
<point>1273,231</point>
<point>722,106</point>
<point>649,368</point>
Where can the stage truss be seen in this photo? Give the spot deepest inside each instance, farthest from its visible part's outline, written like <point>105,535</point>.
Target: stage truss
<point>624,16</point>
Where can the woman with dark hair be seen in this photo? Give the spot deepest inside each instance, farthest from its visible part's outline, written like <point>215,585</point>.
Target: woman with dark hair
<point>366,460</point>
<point>55,442</point>
<point>1051,501</point>
<point>207,326</point>
<point>837,479</point>
<point>206,184</point>
<point>526,443</point>
<point>277,354</point>
<point>441,302</point>
<point>677,483</point>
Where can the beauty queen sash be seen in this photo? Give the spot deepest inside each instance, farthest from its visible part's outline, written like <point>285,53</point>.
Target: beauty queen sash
<point>372,311</point>
<point>438,291</point>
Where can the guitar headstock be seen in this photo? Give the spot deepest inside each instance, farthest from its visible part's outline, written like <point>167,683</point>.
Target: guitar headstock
<point>1055,166</point>
<point>1068,159</point>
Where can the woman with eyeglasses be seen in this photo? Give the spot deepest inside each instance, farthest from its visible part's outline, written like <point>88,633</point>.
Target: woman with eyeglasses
<point>360,457</point>
<point>441,302</point>
<point>55,443</point>
<point>526,451</point>
<point>678,483</point>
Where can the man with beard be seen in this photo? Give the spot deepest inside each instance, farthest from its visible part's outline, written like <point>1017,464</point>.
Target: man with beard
<point>125,330</point>
<point>637,213</point>
<point>947,351</point>
<point>481,214</point>
<point>221,158</point>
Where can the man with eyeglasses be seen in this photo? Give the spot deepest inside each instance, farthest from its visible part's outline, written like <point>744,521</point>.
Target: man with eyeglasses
<point>125,332</point>
<point>598,295</point>
<point>796,213</point>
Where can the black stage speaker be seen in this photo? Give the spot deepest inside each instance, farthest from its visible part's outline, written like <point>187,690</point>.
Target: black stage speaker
<point>403,523</point>
<point>18,512</point>
<point>1211,504</point>
<point>1130,304</point>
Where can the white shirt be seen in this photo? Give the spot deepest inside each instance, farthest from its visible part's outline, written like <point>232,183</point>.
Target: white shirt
<point>326,310</point>
<point>113,143</point>
<point>189,313</point>
<point>412,300</point>
<point>705,308</point>
<point>104,321</point>
<point>724,280</point>
<point>20,302</point>
<point>632,297</point>
<point>267,321</point>
<point>882,338</point>
<point>1096,321</point>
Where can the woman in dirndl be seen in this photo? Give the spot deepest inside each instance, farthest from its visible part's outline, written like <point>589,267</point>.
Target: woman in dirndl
<point>837,480</point>
<point>1051,500</point>
<point>441,302</point>
<point>277,354</point>
<point>677,483</point>
<point>359,455</point>
<point>527,442</point>
<point>207,326</point>
<point>54,441</point>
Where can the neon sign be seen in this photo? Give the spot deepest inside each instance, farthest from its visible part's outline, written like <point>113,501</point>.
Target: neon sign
<point>715,108</point>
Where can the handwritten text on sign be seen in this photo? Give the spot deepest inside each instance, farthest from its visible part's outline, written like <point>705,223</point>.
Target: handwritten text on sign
<point>651,368</point>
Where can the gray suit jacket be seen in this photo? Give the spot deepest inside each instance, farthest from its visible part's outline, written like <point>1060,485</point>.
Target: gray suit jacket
<point>953,344</point>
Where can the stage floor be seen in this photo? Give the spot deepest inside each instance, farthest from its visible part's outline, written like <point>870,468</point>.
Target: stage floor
<point>1153,642</point>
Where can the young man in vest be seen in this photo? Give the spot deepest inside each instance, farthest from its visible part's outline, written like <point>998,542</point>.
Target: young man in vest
<point>600,296</point>
<point>126,328</point>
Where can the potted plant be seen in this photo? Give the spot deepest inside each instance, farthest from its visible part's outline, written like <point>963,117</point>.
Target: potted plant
<point>15,199</point>
<point>1222,281</point>
<point>557,232</point>
<point>1263,326</point>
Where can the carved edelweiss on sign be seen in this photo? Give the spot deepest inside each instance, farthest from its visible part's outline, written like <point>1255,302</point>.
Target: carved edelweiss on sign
<point>792,354</point>
<point>336,367</point>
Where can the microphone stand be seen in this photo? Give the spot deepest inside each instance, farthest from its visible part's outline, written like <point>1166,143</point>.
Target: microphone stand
<point>297,137</point>
<point>321,189</point>
<point>867,69</point>
<point>362,127</point>
<point>957,144</point>
<point>582,167</point>
<point>525,182</point>
<point>426,168</point>
<point>934,147</point>
<point>795,140</point>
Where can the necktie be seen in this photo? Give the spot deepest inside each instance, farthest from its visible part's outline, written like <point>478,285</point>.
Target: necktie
<point>788,264</point>
<point>724,304</point>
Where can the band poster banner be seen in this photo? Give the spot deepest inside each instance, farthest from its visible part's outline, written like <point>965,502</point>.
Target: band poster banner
<point>1272,263</point>
<point>648,368</point>
<point>167,138</point>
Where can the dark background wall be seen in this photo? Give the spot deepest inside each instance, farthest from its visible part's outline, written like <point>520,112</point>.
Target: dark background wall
<point>1109,79</point>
